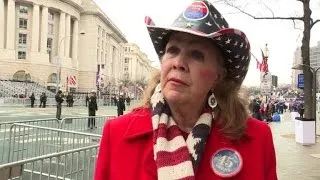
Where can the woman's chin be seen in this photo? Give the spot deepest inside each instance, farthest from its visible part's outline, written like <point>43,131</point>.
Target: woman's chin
<point>175,97</point>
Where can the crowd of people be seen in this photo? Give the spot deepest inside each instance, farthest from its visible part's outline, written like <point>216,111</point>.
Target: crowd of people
<point>269,111</point>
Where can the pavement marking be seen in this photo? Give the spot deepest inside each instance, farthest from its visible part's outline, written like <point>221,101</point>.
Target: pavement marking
<point>45,174</point>
<point>315,155</point>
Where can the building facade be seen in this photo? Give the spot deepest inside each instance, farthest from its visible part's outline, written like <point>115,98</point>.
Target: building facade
<point>137,66</point>
<point>314,63</point>
<point>37,37</point>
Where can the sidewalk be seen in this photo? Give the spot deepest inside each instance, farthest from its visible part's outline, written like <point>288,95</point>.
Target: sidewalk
<point>294,161</point>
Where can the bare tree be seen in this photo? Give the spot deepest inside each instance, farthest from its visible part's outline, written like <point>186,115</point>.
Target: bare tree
<point>308,23</point>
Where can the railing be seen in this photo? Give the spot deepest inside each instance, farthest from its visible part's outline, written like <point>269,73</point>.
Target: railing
<point>82,124</point>
<point>78,164</point>
<point>5,128</point>
<point>27,141</point>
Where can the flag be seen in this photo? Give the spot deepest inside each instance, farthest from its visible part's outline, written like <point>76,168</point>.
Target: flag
<point>258,63</point>
<point>264,64</point>
<point>72,80</point>
<point>148,21</point>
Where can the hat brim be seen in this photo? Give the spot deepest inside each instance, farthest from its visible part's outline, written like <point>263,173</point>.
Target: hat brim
<point>232,42</point>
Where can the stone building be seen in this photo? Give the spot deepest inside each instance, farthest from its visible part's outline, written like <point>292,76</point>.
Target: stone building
<point>37,37</point>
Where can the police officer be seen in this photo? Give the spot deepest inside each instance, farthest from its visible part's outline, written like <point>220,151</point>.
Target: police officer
<point>92,108</point>
<point>59,100</point>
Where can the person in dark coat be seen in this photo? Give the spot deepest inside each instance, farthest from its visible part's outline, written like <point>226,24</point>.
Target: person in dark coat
<point>44,100</point>
<point>69,100</point>
<point>128,100</point>
<point>41,100</point>
<point>87,100</point>
<point>301,110</point>
<point>121,105</point>
<point>32,99</point>
<point>59,100</point>
<point>255,110</point>
<point>92,108</point>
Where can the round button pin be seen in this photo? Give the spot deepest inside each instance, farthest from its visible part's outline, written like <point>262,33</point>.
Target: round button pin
<point>226,162</point>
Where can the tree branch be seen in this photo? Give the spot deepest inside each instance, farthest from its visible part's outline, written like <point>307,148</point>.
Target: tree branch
<point>315,22</point>
<point>254,17</point>
<point>268,8</point>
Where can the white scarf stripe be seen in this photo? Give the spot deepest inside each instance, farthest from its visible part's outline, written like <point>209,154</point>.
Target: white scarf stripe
<point>178,171</point>
<point>169,146</point>
<point>156,121</point>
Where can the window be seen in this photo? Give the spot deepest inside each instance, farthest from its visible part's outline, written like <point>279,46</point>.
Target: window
<point>49,48</point>
<point>98,45</point>
<point>49,43</point>
<point>97,55</point>
<point>50,29</point>
<point>103,33</point>
<point>99,31</point>
<point>21,55</point>
<point>23,23</point>
<point>51,16</point>
<point>102,56</point>
<point>102,66</point>
<point>125,68</point>
<point>23,9</point>
<point>22,39</point>
<point>126,60</point>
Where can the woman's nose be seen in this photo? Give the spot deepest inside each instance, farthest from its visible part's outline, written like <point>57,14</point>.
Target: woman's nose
<point>180,62</point>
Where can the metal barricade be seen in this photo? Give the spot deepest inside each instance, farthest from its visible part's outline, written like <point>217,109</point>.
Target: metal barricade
<point>5,132</point>
<point>82,124</point>
<point>77,164</point>
<point>27,141</point>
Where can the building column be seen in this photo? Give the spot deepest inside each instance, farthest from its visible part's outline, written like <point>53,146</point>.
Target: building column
<point>67,40</point>
<point>11,24</point>
<point>44,30</point>
<point>35,28</point>
<point>75,38</point>
<point>62,29</point>
<point>2,24</point>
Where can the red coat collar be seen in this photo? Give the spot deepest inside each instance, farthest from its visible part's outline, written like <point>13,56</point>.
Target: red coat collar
<point>141,125</point>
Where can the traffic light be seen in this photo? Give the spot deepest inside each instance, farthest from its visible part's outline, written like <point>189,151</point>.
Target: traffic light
<point>274,81</point>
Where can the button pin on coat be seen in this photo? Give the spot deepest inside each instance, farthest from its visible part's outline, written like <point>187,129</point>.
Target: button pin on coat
<point>226,162</point>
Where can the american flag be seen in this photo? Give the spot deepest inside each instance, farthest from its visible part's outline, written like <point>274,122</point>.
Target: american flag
<point>72,80</point>
<point>262,66</point>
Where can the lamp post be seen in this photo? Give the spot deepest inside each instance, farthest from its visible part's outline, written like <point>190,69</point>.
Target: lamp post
<point>58,58</point>
<point>314,87</point>
<point>265,57</point>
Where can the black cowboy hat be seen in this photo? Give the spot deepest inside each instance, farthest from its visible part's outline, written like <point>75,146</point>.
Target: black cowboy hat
<point>202,19</point>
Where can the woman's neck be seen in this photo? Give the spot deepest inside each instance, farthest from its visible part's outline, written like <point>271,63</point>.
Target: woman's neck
<point>187,115</point>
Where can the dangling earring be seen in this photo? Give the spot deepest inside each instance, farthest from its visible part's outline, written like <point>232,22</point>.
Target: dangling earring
<point>212,102</point>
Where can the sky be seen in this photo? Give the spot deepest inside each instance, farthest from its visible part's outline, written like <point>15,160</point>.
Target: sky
<point>281,36</point>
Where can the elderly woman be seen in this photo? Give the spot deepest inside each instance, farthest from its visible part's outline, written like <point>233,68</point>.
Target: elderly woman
<point>193,124</point>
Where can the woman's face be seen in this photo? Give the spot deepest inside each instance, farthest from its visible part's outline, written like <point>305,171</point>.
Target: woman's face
<point>189,68</point>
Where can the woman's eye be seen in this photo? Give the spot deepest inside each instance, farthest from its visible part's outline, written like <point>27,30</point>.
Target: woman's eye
<point>197,55</point>
<point>172,50</point>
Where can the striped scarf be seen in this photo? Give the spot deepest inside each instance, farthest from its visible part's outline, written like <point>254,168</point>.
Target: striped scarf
<point>175,157</point>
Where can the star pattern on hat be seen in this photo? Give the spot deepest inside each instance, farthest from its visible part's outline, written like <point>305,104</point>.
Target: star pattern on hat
<point>188,25</point>
<point>208,23</point>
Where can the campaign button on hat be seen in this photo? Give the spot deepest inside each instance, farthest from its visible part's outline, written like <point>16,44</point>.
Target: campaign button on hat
<point>226,162</point>
<point>196,11</point>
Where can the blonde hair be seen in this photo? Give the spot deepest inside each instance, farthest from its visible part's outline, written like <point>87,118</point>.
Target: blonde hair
<point>231,112</point>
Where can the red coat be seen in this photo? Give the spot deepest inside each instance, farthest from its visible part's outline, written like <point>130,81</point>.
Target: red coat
<point>126,151</point>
